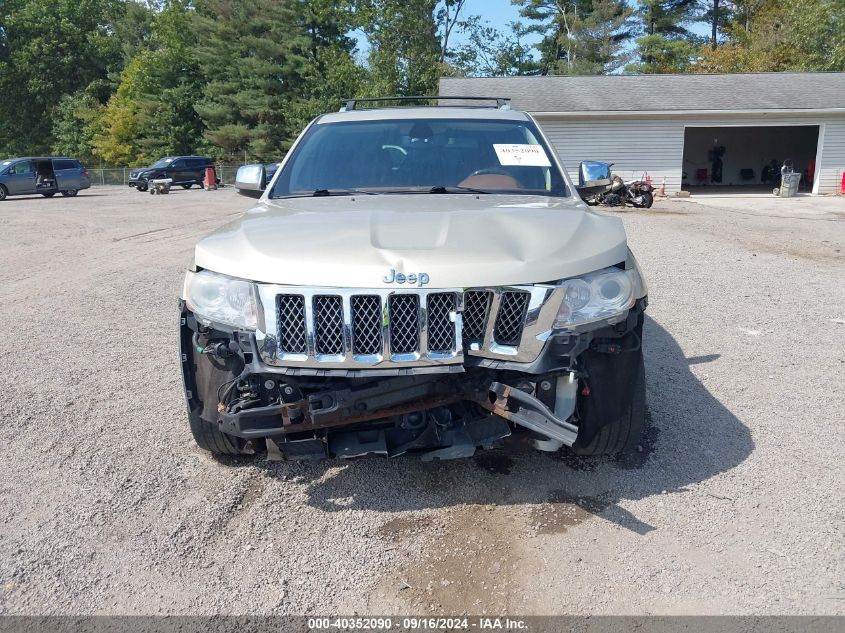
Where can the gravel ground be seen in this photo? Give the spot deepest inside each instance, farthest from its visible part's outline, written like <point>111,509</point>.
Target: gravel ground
<point>735,505</point>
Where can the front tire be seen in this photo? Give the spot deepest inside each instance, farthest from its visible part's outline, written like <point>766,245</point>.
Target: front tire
<point>49,194</point>
<point>208,437</point>
<point>142,186</point>
<point>70,193</point>
<point>3,193</point>
<point>624,434</point>
<point>648,200</point>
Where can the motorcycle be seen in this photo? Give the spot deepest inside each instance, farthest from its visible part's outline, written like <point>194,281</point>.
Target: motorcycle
<point>598,187</point>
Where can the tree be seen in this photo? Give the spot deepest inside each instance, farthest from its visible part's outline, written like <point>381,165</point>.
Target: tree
<point>666,45</point>
<point>772,35</point>
<point>579,36</point>
<point>489,53</point>
<point>272,64</point>
<point>405,50</point>
<point>50,48</point>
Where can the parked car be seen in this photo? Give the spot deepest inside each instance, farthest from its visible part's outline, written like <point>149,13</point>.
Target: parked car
<point>47,175</point>
<point>414,280</point>
<point>183,170</point>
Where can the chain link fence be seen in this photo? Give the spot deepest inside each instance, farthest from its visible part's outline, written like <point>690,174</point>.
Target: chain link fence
<point>120,175</point>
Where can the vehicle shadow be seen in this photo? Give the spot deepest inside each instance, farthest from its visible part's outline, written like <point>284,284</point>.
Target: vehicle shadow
<point>690,437</point>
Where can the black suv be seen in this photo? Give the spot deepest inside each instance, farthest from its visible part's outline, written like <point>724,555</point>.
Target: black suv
<point>183,170</point>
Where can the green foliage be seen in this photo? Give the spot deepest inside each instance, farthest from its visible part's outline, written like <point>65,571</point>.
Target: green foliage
<point>269,64</point>
<point>580,37</point>
<point>127,81</point>
<point>405,52</point>
<point>777,35</point>
<point>489,53</point>
<point>50,48</point>
<point>666,44</point>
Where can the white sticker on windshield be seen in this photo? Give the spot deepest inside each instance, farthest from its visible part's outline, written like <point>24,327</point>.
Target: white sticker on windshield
<point>530,155</point>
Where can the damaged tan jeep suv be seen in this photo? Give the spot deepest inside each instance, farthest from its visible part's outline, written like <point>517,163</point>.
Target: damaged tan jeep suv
<point>414,280</point>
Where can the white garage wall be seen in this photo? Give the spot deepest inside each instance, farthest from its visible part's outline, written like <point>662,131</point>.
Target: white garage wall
<point>633,145</point>
<point>656,143</point>
<point>832,156</point>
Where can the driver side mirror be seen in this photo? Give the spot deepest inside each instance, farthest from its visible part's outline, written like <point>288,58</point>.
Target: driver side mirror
<point>251,180</point>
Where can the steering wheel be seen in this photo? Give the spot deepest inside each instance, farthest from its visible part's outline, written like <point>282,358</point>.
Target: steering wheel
<point>489,171</point>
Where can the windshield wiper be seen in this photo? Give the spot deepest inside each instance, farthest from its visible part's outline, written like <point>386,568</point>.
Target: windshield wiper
<point>319,193</point>
<point>455,189</point>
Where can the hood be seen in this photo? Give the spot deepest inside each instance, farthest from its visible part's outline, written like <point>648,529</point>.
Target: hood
<point>457,240</point>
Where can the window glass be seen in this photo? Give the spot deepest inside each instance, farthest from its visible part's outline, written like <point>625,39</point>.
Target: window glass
<point>164,162</point>
<point>406,155</point>
<point>23,167</point>
<point>64,164</point>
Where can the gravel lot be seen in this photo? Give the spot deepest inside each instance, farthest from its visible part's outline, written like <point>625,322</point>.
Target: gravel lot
<point>735,505</point>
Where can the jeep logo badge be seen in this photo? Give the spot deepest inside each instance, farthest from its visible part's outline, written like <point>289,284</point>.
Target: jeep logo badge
<point>418,279</point>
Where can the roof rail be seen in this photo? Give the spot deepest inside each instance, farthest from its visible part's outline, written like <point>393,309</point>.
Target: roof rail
<point>502,103</point>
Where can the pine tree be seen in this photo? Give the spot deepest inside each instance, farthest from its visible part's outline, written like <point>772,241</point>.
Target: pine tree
<point>666,45</point>
<point>579,36</point>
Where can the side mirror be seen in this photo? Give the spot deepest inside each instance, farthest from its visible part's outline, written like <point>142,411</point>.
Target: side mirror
<point>592,171</point>
<point>251,180</point>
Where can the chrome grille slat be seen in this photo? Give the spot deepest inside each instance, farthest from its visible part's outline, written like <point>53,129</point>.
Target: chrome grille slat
<point>510,319</point>
<point>328,325</point>
<point>476,311</point>
<point>318,328</point>
<point>293,334</point>
<point>441,325</point>
<point>367,324</point>
<point>404,319</point>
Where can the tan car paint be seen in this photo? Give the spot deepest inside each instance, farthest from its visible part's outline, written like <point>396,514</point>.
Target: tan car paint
<point>459,240</point>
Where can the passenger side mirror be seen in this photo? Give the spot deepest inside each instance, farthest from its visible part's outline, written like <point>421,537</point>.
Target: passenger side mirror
<point>593,178</point>
<point>592,171</point>
<point>251,180</point>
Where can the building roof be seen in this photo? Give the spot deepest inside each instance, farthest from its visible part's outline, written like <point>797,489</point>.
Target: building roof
<point>659,93</point>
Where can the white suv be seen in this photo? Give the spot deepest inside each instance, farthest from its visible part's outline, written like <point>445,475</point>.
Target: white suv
<point>414,279</point>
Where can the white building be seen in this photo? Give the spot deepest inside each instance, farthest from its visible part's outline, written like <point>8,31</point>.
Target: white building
<point>674,126</point>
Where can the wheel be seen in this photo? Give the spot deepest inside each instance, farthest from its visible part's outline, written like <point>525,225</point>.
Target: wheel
<point>49,194</point>
<point>188,186</point>
<point>208,437</point>
<point>648,200</point>
<point>3,193</point>
<point>142,186</point>
<point>70,193</point>
<point>622,435</point>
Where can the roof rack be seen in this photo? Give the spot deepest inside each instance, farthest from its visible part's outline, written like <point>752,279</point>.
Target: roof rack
<point>502,103</point>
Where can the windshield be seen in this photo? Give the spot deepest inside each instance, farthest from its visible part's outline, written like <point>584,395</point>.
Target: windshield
<point>164,162</point>
<point>421,155</point>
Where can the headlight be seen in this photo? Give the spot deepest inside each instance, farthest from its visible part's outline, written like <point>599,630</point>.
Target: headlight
<point>222,299</point>
<point>599,295</point>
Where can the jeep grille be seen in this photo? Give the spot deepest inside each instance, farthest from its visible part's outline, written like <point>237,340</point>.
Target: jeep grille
<point>511,318</point>
<point>441,322</point>
<point>332,327</point>
<point>404,314</point>
<point>476,309</point>
<point>367,324</point>
<point>292,331</point>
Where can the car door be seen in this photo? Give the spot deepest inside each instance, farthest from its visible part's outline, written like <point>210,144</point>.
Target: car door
<point>21,178</point>
<point>197,169</point>
<point>178,170</point>
<point>68,174</point>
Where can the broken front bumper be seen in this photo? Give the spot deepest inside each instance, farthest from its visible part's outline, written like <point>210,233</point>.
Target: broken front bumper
<point>448,413</point>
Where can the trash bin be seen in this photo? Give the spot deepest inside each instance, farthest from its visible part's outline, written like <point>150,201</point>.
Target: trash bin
<point>789,183</point>
<point>789,180</point>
